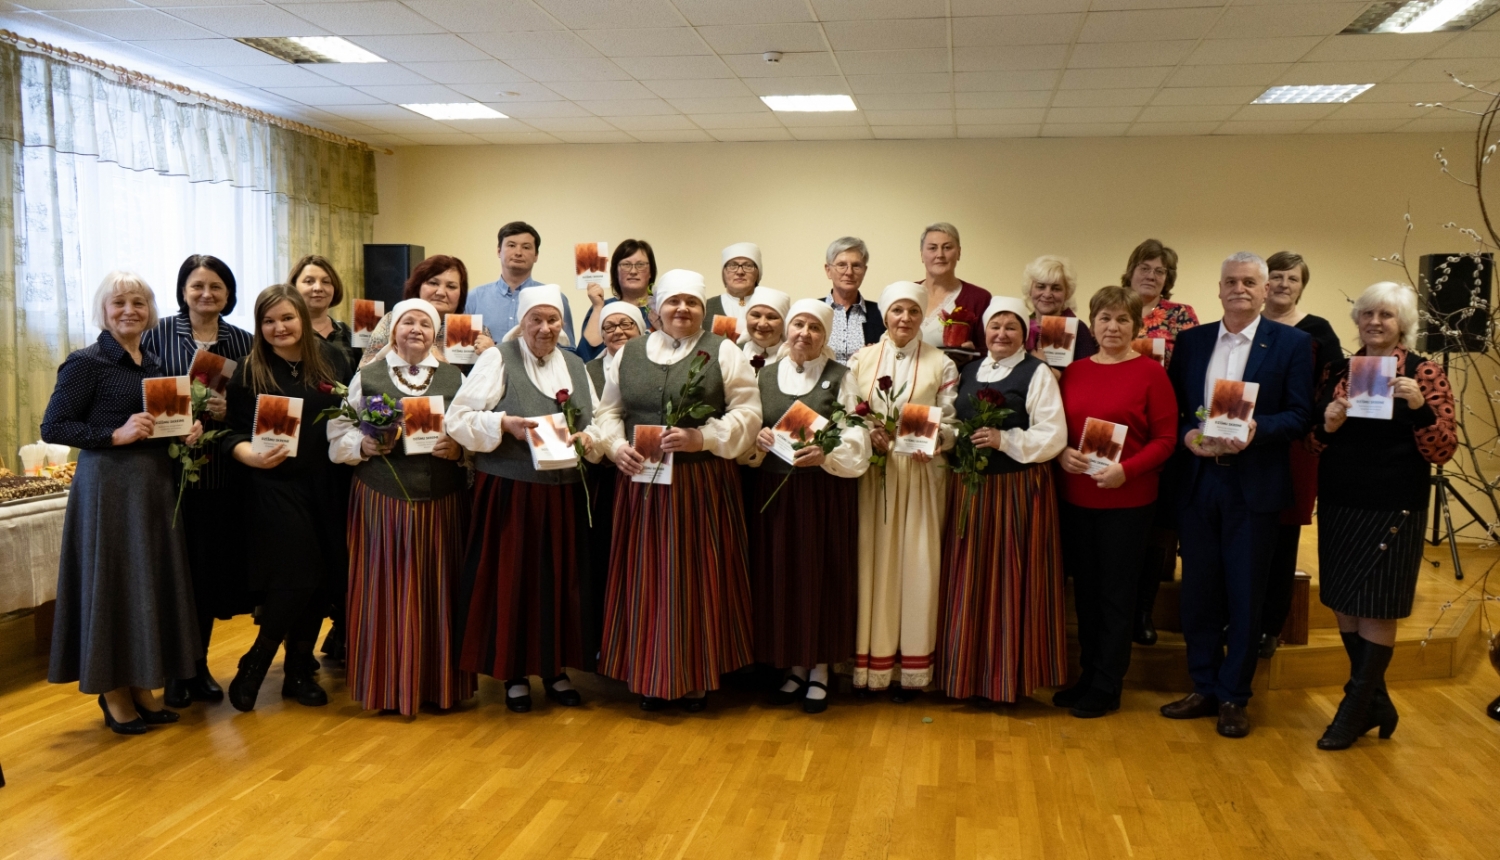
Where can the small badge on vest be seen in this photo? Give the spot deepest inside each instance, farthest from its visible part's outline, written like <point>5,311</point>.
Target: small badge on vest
<point>825,385</point>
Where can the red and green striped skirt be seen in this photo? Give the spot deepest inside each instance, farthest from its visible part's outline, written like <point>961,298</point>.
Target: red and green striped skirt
<point>1001,623</point>
<point>404,561</point>
<point>677,609</point>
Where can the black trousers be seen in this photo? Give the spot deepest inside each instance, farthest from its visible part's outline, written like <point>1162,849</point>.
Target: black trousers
<point>292,615</point>
<point>1279,581</point>
<point>1102,550</point>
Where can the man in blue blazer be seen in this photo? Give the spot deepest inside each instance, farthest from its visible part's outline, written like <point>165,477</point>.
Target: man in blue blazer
<point>1232,492</point>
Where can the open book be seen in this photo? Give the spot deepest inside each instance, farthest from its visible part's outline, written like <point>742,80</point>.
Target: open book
<point>278,421</point>
<point>1057,338</point>
<point>217,368</point>
<point>1102,443</point>
<point>422,418</point>
<point>461,332</point>
<point>591,264</point>
<point>549,446</point>
<point>1371,379</point>
<point>917,431</point>
<point>169,399</point>
<point>798,425</point>
<point>367,315</point>
<point>1230,410</point>
<point>658,462</point>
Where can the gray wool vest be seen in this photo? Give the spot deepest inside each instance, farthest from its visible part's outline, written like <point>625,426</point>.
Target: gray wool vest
<point>774,403</point>
<point>512,457</point>
<point>645,387</point>
<point>424,476</point>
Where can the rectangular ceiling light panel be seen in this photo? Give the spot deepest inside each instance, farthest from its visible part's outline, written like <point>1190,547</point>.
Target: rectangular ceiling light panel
<point>1422,16</point>
<point>459,110</point>
<point>809,104</point>
<point>312,49</point>
<point>1313,94</point>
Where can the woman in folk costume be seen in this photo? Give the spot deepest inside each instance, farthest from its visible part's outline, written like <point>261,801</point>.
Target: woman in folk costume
<point>677,613</point>
<point>408,515</point>
<point>1002,631</point>
<point>523,601</point>
<point>764,328</point>
<point>901,502</point>
<point>804,562</point>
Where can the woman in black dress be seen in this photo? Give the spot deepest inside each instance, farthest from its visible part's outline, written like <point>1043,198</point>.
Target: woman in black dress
<point>125,622</point>
<point>212,508</point>
<point>296,504</point>
<point>1289,277</point>
<point>323,290</point>
<point>1373,475</point>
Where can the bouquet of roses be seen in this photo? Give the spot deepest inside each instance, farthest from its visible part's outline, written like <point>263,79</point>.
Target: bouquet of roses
<point>828,438</point>
<point>970,460</point>
<point>689,402</point>
<point>956,325</point>
<point>571,413</point>
<point>191,457</point>
<point>885,417</point>
<point>377,417</point>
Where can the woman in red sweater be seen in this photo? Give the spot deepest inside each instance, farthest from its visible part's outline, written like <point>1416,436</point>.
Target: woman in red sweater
<point>1109,492</point>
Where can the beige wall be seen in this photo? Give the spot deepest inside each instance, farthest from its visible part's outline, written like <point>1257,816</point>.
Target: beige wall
<point>1337,199</point>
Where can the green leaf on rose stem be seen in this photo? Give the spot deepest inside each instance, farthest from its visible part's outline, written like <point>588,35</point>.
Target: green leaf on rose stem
<point>192,477</point>
<point>174,450</point>
<point>702,410</point>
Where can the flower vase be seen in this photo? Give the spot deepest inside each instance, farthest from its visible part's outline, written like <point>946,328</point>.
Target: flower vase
<point>955,335</point>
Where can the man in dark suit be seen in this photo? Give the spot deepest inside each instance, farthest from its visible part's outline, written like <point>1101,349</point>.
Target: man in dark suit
<point>1232,491</point>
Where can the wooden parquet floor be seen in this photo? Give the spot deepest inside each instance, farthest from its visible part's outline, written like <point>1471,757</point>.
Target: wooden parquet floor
<point>867,779</point>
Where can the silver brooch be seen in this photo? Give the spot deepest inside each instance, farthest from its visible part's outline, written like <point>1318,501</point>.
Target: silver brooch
<point>825,385</point>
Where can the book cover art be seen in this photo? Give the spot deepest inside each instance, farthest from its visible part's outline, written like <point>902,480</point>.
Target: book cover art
<point>1102,442</point>
<point>1371,380</point>
<point>169,400</point>
<point>1231,409</point>
<point>278,421</point>
<point>461,333</point>
<point>1154,348</point>
<point>422,418</point>
<point>367,315</point>
<point>591,264</point>
<point>798,425</point>
<point>727,327</point>
<point>1057,338</point>
<point>917,430</point>
<point>647,441</point>
<point>217,369</point>
<point>549,443</point>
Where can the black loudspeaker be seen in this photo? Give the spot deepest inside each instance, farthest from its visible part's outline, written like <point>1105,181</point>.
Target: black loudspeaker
<point>1455,288</point>
<point>386,269</point>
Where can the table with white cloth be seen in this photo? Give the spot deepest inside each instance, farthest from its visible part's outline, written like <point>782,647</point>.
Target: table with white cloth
<point>30,546</point>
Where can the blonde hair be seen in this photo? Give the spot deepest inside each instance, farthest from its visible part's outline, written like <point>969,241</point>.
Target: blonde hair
<point>121,282</point>
<point>1045,268</point>
<point>1397,297</point>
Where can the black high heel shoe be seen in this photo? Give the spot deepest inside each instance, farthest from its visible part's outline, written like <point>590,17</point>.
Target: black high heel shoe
<point>136,726</point>
<point>156,718</point>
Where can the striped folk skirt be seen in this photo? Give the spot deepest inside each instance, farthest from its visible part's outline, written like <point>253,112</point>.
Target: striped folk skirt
<point>1368,561</point>
<point>804,567</point>
<point>526,581</point>
<point>1002,616</point>
<point>404,560</point>
<point>677,612</point>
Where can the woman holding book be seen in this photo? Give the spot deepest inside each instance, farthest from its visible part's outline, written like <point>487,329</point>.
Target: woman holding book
<point>125,622</point>
<point>296,500</point>
<point>523,602</point>
<point>632,272</point>
<point>1002,631</point>
<point>1048,289</point>
<point>212,508</point>
<point>764,326</point>
<point>803,520</point>
<point>1373,479</point>
<point>901,500</point>
<point>677,613</point>
<point>443,282</point>
<point>1109,493</point>
<point>408,517</point>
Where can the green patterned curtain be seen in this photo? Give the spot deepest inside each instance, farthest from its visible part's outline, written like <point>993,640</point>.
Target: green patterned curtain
<point>53,113</point>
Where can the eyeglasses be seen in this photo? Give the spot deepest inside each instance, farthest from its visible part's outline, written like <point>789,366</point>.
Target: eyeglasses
<point>635,267</point>
<point>739,267</point>
<point>846,268</point>
<point>1149,270</point>
<point>625,325</point>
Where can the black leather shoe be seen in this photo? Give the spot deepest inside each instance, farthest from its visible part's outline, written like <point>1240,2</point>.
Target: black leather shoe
<point>694,704</point>
<point>902,695</point>
<point>815,706</point>
<point>1191,707</point>
<point>202,686</point>
<point>518,704</point>
<point>653,704</point>
<point>253,667</point>
<point>1233,723</point>
<point>305,689</point>
<point>566,698</point>
<point>1145,628</point>
<point>1069,696</point>
<point>1268,645</point>
<point>136,726</point>
<point>786,697</point>
<point>156,718</point>
<point>1094,704</point>
<point>176,694</point>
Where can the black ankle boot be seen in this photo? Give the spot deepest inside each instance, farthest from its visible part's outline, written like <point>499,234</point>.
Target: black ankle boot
<point>177,694</point>
<point>253,667</point>
<point>1356,715</point>
<point>300,668</point>
<point>202,686</point>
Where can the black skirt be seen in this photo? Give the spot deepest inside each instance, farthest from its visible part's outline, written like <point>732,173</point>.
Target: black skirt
<point>1368,561</point>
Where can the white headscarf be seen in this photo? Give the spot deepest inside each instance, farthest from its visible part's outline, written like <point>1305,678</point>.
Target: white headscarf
<point>406,306</point>
<point>903,290</point>
<point>819,310</point>
<point>624,309</point>
<point>676,282</point>
<point>1008,304</point>
<point>546,295</point>
<point>776,300</point>
<point>748,250</point>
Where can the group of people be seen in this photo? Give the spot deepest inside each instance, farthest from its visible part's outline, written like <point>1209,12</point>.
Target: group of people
<point>833,548</point>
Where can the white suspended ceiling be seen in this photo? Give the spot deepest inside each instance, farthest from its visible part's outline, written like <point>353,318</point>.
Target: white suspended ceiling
<point>605,71</point>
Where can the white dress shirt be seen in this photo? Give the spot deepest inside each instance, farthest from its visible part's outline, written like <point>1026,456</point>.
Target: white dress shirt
<point>471,421</point>
<point>344,436</point>
<point>852,457</point>
<point>725,436</point>
<point>1231,352</point>
<point>1048,433</point>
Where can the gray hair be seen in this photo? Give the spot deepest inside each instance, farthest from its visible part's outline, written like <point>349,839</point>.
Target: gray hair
<point>1247,257</point>
<point>847,243</point>
<point>116,283</point>
<point>1397,297</point>
<point>940,227</point>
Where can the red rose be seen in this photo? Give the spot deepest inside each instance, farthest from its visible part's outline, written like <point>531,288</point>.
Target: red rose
<point>325,387</point>
<point>887,383</point>
<point>704,354</point>
<point>991,396</point>
<point>562,396</point>
<point>862,408</point>
<point>758,361</point>
<point>201,377</point>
